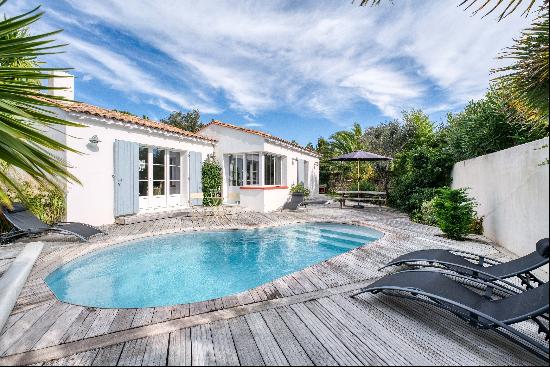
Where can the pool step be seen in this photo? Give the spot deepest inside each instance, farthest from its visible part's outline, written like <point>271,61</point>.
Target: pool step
<point>345,241</point>
<point>356,235</point>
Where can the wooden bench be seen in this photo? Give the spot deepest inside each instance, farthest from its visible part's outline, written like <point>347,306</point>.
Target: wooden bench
<point>374,197</point>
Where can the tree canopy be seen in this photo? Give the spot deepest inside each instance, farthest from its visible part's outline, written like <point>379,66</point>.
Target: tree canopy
<point>189,121</point>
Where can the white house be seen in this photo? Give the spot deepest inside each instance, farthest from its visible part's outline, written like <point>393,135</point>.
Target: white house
<point>129,165</point>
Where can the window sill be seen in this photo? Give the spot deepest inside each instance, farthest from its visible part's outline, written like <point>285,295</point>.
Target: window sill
<point>277,187</point>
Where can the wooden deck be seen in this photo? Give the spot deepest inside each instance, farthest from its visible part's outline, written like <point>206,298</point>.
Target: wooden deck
<point>305,318</point>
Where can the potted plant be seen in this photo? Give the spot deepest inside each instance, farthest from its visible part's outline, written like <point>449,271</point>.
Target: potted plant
<point>299,190</point>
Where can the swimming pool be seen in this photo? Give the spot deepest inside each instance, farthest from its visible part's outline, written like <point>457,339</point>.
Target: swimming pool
<point>192,267</point>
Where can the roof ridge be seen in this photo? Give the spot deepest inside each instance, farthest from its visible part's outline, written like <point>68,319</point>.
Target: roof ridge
<point>259,133</point>
<point>82,107</point>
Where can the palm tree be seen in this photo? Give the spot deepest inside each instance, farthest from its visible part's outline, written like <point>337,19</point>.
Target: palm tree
<point>24,112</point>
<point>526,79</point>
<point>490,6</point>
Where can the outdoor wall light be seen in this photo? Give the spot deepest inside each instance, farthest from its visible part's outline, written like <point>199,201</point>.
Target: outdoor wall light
<point>92,145</point>
<point>94,140</point>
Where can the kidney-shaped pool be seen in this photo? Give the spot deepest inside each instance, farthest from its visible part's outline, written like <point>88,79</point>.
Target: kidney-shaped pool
<point>192,267</point>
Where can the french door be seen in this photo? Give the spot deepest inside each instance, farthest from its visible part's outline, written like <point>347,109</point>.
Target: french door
<point>159,177</point>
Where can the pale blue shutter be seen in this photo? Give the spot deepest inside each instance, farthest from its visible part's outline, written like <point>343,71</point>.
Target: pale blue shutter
<point>301,170</point>
<point>126,164</point>
<point>195,178</point>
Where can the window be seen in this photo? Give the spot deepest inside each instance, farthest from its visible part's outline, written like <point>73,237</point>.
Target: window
<point>235,170</point>
<point>306,173</point>
<point>272,170</point>
<point>158,171</point>
<point>175,177</point>
<point>300,166</point>
<point>252,168</point>
<point>143,171</point>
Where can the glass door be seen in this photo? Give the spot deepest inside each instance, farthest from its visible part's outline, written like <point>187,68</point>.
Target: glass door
<point>158,198</point>
<point>143,177</point>
<point>159,178</point>
<point>174,178</point>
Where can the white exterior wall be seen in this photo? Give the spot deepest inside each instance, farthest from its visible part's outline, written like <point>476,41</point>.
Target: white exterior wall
<point>511,188</point>
<point>93,201</point>
<point>231,141</point>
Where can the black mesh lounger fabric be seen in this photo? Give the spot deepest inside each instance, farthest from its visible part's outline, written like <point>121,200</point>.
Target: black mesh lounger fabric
<point>24,220</point>
<point>504,270</point>
<point>83,230</point>
<point>512,309</point>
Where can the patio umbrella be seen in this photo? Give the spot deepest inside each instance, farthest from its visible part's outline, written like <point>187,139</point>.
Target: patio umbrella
<point>359,156</point>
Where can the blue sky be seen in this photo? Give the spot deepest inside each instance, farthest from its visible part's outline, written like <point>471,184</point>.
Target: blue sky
<point>296,70</point>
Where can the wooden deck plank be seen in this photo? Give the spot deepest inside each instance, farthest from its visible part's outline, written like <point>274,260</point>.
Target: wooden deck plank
<point>108,356</point>
<point>293,351</point>
<point>179,351</point>
<point>55,334</point>
<point>360,349</point>
<point>267,345</point>
<point>143,317</point>
<point>12,335</point>
<point>123,320</point>
<point>224,347</point>
<point>376,337</point>
<point>38,329</point>
<point>102,323</point>
<point>80,359</point>
<point>247,350</point>
<point>156,351</point>
<point>332,343</point>
<point>311,345</point>
<point>202,348</point>
<point>80,327</point>
<point>133,352</point>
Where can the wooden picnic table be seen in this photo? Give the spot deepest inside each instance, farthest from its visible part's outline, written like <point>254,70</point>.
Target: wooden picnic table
<point>377,197</point>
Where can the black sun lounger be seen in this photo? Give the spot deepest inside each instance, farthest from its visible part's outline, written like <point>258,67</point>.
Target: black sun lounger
<point>484,311</point>
<point>25,223</point>
<point>483,267</point>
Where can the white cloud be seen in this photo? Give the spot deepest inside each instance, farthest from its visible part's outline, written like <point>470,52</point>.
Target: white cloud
<point>320,57</point>
<point>253,124</point>
<point>123,74</point>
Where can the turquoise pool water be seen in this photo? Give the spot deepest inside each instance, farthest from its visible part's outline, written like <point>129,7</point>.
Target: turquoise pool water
<point>192,267</point>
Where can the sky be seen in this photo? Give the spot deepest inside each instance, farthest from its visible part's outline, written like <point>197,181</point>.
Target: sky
<point>298,70</point>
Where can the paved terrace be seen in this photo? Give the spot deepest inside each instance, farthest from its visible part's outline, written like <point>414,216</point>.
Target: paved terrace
<point>305,318</point>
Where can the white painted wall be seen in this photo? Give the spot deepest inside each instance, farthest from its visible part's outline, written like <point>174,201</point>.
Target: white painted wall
<point>63,80</point>
<point>93,201</point>
<point>511,188</point>
<point>231,141</point>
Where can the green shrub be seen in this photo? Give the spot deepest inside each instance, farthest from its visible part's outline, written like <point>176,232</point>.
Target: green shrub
<point>299,188</point>
<point>366,185</point>
<point>211,182</point>
<point>426,214</point>
<point>454,212</point>
<point>48,204</point>
<point>417,173</point>
<point>477,226</point>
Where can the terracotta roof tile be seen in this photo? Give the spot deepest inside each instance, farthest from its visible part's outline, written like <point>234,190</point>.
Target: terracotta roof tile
<point>260,133</point>
<point>81,107</point>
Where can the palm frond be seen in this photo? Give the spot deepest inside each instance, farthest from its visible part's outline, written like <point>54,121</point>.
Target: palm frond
<point>489,6</point>
<point>25,111</point>
<point>526,79</point>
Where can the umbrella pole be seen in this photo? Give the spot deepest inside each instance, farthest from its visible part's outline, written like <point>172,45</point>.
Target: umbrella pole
<point>358,177</point>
